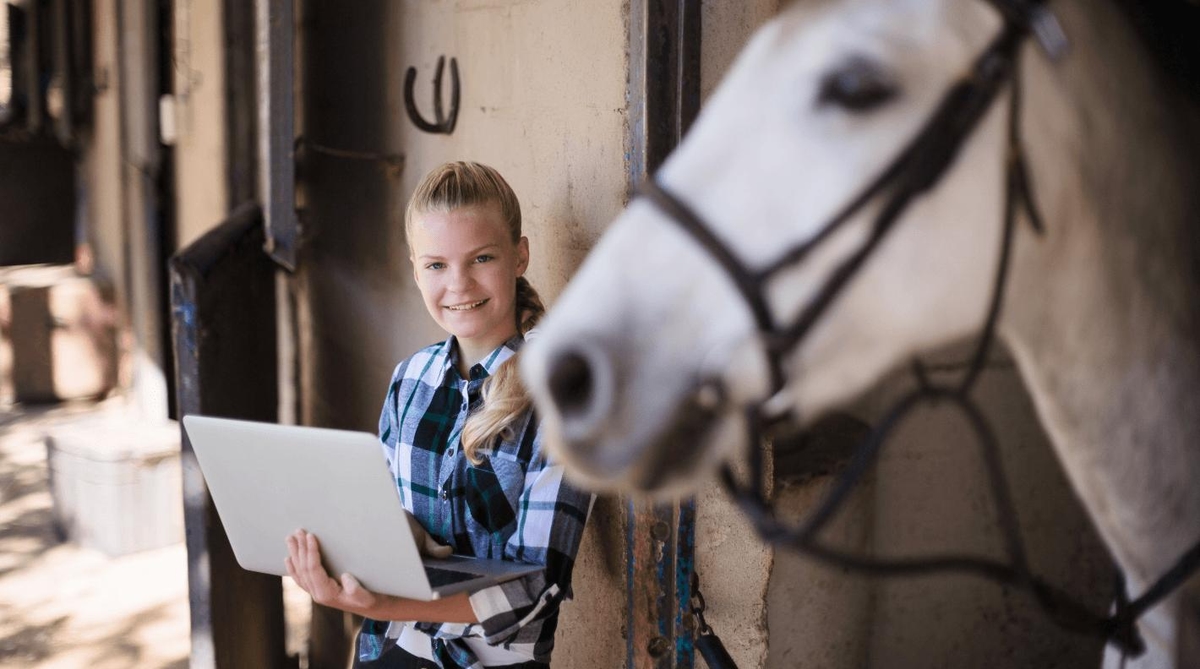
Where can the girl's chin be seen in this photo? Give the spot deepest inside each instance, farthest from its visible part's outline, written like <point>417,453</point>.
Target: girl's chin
<point>467,332</point>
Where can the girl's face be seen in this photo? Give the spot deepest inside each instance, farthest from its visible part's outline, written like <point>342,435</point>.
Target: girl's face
<point>466,266</point>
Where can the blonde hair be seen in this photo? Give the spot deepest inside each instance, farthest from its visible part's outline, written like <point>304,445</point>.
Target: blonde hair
<point>464,184</point>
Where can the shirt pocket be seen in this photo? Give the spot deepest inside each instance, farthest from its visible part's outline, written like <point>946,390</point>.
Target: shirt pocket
<point>493,492</point>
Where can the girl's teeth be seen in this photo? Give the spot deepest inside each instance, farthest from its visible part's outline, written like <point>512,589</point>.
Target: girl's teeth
<point>466,307</point>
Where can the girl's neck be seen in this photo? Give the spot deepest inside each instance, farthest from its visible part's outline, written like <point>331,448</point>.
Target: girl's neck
<point>471,352</point>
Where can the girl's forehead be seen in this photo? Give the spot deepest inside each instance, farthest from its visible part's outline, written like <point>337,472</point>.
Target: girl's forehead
<point>461,229</point>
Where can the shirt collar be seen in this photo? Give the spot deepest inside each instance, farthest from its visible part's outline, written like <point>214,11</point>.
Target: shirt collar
<point>490,363</point>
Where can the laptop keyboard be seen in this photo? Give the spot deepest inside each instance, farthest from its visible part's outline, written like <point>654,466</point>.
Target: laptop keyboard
<point>439,577</point>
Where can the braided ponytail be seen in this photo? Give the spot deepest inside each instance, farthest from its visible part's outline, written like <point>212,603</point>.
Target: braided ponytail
<point>504,396</point>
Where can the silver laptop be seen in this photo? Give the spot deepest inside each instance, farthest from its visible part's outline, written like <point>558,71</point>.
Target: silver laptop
<point>269,480</point>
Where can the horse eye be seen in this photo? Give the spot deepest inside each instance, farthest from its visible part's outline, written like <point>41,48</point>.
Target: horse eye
<point>858,85</point>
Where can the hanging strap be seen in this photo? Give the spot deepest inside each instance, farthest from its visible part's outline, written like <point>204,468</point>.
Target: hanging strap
<point>708,643</point>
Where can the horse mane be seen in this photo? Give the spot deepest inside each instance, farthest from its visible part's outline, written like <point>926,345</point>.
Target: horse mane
<point>1168,30</point>
<point>1161,155</point>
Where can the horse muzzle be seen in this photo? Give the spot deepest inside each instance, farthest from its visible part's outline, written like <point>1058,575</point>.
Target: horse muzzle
<point>578,389</point>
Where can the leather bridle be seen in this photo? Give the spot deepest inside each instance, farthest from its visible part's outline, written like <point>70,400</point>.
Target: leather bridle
<point>918,167</point>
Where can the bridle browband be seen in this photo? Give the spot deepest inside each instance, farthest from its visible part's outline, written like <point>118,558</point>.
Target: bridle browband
<point>918,167</point>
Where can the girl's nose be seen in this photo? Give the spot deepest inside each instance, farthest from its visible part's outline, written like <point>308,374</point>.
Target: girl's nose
<point>461,280</point>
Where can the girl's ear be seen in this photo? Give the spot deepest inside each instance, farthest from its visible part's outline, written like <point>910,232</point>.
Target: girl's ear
<point>522,255</point>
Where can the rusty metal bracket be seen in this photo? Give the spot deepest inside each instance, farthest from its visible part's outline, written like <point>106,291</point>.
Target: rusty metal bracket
<point>442,124</point>
<point>663,97</point>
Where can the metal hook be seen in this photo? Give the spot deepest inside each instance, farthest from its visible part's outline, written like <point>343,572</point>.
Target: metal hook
<point>442,124</point>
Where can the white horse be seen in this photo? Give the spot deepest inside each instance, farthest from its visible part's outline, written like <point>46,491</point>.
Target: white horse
<point>1102,310</point>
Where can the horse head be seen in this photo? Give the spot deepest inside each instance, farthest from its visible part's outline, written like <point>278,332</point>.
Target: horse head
<point>648,360</point>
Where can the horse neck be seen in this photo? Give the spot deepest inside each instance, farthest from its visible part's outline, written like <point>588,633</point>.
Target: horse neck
<point>1103,312</point>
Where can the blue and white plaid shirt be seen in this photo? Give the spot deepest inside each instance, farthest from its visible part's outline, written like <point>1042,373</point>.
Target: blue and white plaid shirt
<point>514,506</point>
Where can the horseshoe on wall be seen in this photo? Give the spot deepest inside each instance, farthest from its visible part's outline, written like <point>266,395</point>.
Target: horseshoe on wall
<point>442,124</point>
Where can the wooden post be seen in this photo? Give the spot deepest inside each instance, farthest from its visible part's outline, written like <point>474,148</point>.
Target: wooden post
<point>223,325</point>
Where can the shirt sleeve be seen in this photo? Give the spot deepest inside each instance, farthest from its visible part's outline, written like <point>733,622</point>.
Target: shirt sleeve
<point>550,524</point>
<point>389,422</point>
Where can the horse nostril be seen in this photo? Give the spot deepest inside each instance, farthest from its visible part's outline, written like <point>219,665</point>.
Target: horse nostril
<point>571,384</point>
<point>581,385</point>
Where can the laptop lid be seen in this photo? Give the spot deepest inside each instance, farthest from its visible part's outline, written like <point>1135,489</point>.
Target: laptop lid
<point>269,480</point>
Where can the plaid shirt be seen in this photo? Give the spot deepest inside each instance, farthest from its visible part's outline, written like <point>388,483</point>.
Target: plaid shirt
<point>514,506</point>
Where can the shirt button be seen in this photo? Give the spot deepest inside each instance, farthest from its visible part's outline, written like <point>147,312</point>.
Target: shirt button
<point>445,494</point>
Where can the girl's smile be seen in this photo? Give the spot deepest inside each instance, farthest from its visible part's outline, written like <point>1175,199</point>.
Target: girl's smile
<point>466,306</point>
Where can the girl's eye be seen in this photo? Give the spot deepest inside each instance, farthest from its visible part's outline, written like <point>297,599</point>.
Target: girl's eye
<point>858,85</point>
<point>484,258</point>
<point>435,265</point>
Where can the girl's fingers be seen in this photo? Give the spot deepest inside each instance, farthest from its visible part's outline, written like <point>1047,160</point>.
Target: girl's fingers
<point>300,545</point>
<point>291,570</point>
<point>434,549</point>
<point>320,585</point>
<point>350,585</point>
<point>313,552</point>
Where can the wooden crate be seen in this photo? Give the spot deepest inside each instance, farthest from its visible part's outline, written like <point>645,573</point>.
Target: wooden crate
<point>61,334</point>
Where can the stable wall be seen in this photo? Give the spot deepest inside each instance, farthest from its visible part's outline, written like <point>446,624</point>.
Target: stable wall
<point>932,496</point>
<point>543,101</point>
<point>101,161</point>
<point>200,105</point>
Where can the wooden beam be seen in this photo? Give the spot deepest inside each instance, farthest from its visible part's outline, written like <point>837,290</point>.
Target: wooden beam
<point>223,325</point>
<point>276,135</point>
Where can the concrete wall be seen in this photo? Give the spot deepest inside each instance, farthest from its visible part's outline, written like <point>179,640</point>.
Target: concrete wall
<point>928,494</point>
<point>932,496</point>
<point>198,80</point>
<point>543,100</point>
<point>819,615</point>
<point>101,156</point>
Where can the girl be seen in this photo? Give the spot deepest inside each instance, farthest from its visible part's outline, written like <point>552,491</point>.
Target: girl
<point>464,446</point>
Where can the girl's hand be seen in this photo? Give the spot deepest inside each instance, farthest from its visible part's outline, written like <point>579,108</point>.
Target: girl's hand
<point>425,543</point>
<point>304,566</point>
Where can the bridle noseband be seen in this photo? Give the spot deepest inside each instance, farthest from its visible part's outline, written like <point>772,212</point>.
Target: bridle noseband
<point>918,167</point>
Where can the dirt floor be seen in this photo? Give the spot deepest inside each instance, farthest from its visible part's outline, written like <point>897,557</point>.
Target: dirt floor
<point>63,606</point>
